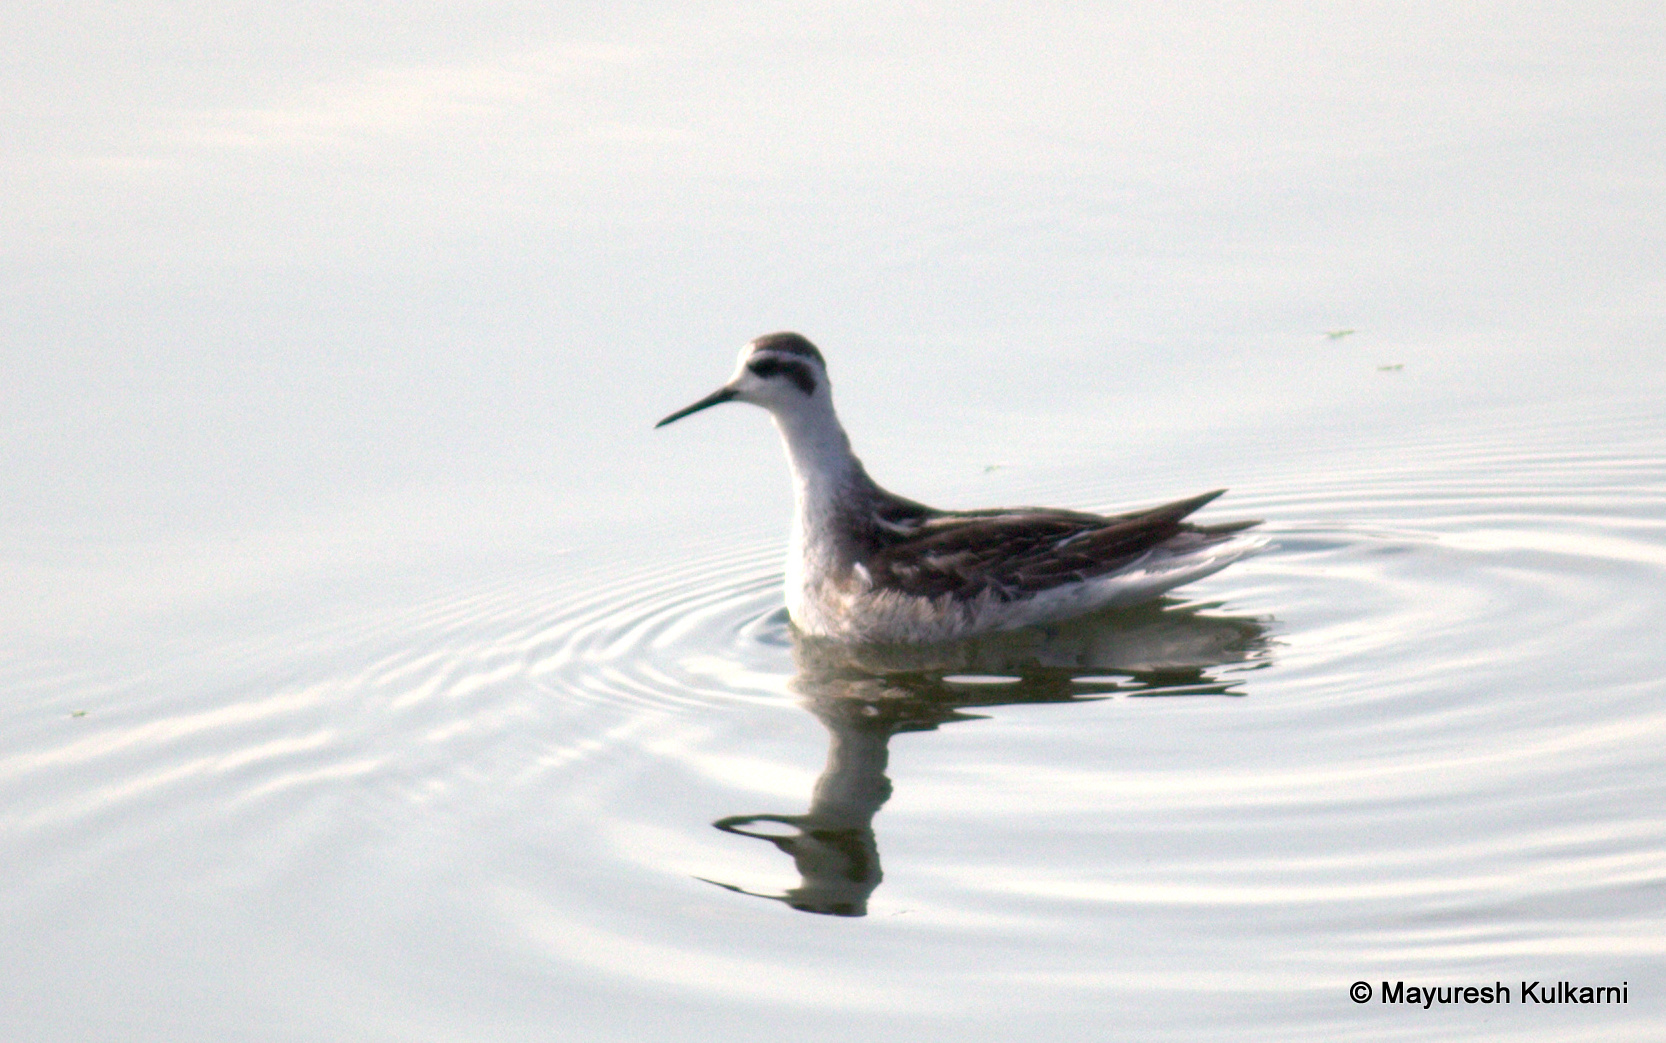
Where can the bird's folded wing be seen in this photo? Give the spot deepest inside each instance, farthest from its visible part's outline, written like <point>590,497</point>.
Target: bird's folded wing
<point>1012,554</point>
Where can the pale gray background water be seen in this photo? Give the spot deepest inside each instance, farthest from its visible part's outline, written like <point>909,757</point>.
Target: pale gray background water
<point>415,668</point>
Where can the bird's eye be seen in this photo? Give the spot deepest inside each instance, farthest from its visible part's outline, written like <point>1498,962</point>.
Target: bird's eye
<point>765,367</point>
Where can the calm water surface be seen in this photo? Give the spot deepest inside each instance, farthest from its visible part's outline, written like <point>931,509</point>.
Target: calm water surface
<point>614,796</point>
<point>370,671</point>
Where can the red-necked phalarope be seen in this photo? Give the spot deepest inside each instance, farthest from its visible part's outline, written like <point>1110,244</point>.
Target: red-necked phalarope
<point>868,565</point>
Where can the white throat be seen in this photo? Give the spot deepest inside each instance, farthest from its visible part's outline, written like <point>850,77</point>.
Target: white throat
<point>818,452</point>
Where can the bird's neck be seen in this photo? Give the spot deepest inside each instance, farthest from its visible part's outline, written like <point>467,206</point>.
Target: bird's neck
<point>828,481</point>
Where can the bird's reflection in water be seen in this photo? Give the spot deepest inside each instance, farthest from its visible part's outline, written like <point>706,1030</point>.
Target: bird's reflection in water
<point>866,694</point>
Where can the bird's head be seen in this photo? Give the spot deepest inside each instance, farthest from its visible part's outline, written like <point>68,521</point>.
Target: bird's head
<point>782,372</point>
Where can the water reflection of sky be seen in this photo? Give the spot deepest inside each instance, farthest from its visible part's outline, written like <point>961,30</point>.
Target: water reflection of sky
<point>333,337</point>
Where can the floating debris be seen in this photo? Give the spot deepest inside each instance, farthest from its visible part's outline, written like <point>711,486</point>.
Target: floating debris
<point>78,713</point>
<point>1337,334</point>
<point>1391,369</point>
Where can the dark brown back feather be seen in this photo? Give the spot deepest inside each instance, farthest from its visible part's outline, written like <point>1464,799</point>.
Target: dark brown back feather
<point>1018,552</point>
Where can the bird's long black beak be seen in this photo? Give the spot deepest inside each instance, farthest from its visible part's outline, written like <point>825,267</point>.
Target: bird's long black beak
<point>741,890</point>
<point>717,397</point>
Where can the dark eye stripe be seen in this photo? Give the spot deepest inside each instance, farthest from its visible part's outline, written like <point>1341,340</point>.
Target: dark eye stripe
<point>797,372</point>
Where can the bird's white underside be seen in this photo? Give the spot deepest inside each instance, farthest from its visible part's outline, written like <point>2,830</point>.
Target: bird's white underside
<point>857,611</point>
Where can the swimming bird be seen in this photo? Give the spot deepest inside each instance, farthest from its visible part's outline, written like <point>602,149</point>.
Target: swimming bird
<point>867,565</point>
